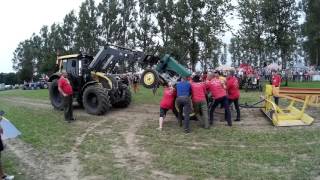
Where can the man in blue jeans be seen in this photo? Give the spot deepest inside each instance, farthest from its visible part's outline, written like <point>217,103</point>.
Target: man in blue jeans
<point>183,101</point>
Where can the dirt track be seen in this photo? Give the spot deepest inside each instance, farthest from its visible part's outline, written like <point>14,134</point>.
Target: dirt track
<point>129,155</point>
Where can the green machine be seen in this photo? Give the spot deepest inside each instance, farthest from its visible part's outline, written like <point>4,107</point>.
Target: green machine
<point>167,69</point>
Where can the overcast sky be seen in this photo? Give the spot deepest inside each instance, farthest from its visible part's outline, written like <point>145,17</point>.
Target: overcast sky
<point>20,18</point>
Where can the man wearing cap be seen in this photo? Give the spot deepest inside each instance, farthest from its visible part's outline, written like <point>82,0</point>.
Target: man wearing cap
<point>65,89</point>
<point>2,174</point>
<point>183,93</point>
<point>217,89</point>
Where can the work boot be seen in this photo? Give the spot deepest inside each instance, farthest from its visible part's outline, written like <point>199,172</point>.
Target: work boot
<point>187,131</point>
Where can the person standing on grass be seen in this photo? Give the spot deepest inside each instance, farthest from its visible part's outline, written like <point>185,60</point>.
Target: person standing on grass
<point>233,92</point>
<point>167,102</point>
<point>183,101</point>
<point>276,81</point>
<point>218,92</point>
<point>65,89</point>
<point>2,174</point>
<point>199,101</point>
<point>135,82</point>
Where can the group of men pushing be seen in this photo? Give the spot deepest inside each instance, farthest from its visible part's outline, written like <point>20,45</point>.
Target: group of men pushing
<point>224,91</point>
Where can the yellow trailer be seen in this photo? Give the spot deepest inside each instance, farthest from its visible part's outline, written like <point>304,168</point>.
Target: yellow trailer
<point>291,115</point>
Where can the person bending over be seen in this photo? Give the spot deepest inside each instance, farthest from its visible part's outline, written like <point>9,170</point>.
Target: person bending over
<point>199,101</point>
<point>218,92</point>
<point>183,101</point>
<point>167,102</point>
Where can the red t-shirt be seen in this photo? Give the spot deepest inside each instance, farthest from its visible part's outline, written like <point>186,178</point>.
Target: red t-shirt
<point>167,101</point>
<point>216,88</point>
<point>233,88</point>
<point>64,84</point>
<point>276,80</point>
<point>198,91</point>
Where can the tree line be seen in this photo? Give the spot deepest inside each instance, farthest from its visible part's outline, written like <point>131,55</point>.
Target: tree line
<point>189,30</point>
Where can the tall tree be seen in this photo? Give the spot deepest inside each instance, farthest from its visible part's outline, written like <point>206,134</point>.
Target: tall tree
<point>281,25</point>
<point>311,29</point>
<point>145,29</point>
<point>109,11</point>
<point>87,31</point>
<point>68,32</point>
<point>127,19</point>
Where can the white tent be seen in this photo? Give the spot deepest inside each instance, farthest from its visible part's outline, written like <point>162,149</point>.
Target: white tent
<point>273,66</point>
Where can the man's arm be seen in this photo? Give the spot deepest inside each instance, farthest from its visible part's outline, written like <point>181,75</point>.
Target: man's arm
<point>61,91</point>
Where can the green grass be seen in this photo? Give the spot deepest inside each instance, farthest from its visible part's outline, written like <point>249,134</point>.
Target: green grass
<point>315,84</point>
<point>234,153</point>
<point>221,152</point>
<point>42,94</point>
<point>40,127</point>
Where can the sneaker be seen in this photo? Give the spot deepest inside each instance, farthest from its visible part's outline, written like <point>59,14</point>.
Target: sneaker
<point>237,120</point>
<point>7,177</point>
<point>159,129</point>
<point>187,131</point>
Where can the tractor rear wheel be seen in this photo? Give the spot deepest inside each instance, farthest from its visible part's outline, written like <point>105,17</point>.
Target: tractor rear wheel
<point>126,98</point>
<point>55,96</point>
<point>149,78</point>
<point>96,100</point>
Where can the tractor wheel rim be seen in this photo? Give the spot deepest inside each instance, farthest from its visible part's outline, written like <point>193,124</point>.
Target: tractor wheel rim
<point>149,78</point>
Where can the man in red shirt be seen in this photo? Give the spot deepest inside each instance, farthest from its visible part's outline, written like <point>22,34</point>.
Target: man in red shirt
<point>65,89</point>
<point>233,92</point>
<point>167,102</point>
<point>217,89</point>
<point>276,81</point>
<point>198,91</point>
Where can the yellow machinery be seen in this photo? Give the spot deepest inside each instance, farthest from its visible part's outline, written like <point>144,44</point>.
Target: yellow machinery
<point>291,115</point>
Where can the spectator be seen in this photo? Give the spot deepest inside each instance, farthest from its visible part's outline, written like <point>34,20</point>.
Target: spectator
<point>183,101</point>
<point>166,103</point>
<point>2,174</point>
<point>233,93</point>
<point>135,81</point>
<point>66,90</point>
<point>276,82</point>
<point>198,91</point>
<point>218,92</point>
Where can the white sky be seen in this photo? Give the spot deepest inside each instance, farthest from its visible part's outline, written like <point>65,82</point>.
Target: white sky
<point>20,18</point>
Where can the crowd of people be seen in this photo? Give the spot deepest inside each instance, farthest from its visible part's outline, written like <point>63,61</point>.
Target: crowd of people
<point>204,93</point>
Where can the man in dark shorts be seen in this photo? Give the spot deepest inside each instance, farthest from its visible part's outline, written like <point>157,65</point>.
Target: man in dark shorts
<point>66,90</point>
<point>2,174</point>
<point>167,102</point>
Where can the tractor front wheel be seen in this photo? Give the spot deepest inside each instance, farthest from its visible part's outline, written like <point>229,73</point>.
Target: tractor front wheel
<point>96,100</point>
<point>149,78</point>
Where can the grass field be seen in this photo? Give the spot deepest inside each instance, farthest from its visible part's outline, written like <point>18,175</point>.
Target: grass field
<point>240,152</point>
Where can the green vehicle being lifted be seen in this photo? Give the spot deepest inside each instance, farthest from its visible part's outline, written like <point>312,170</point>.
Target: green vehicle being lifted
<point>166,70</point>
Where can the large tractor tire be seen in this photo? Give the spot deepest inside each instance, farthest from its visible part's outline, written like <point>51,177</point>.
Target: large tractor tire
<point>55,96</point>
<point>96,100</point>
<point>126,98</point>
<point>149,78</point>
